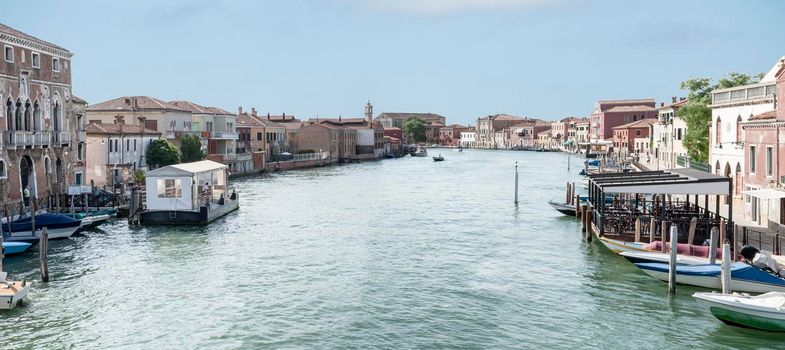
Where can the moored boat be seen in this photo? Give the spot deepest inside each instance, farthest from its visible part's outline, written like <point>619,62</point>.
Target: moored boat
<point>11,248</point>
<point>564,208</point>
<point>438,159</point>
<point>57,226</point>
<point>765,312</point>
<point>744,277</point>
<point>420,152</point>
<point>11,292</point>
<point>655,257</point>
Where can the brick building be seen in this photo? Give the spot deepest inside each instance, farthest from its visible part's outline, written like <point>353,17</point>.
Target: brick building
<point>42,144</point>
<point>451,135</point>
<point>610,114</point>
<point>624,135</point>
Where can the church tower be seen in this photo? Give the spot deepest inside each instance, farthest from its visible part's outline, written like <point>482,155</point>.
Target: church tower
<point>369,113</point>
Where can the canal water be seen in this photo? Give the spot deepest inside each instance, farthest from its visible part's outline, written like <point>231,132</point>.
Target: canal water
<point>403,253</point>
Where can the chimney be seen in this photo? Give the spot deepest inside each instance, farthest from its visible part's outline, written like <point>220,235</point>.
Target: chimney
<point>253,111</point>
<point>268,115</point>
<point>119,120</point>
<point>662,104</point>
<point>682,98</point>
<point>674,99</point>
<point>339,118</point>
<point>128,102</point>
<point>240,110</point>
<point>284,116</point>
<point>136,103</point>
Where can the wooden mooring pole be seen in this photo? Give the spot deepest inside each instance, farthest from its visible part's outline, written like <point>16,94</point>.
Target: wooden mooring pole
<point>42,251</point>
<point>516,183</point>
<point>713,241</point>
<point>672,260</point>
<point>725,275</point>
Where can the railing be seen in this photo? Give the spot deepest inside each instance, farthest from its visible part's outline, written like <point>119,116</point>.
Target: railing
<point>763,239</point>
<point>28,138</point>
<point>173,134</point>
<point>299,157</point>
<point>61,137</point>
<point>224,135</point>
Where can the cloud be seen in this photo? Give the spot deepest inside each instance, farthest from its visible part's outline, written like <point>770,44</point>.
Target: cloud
<point>450,6</point>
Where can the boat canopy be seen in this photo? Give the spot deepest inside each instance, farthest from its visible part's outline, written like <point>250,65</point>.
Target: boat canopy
<point>186,169</point>
<point>673,181</point>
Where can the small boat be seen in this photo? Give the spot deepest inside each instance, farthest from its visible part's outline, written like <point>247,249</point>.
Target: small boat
<point>11,248</point>
<point>420,152</point>
<point>744,277</point>
<point>764,312</point>
<point>564,208</point>
<point>92,219</point>
<point>655,257</point>
<point>618,246</point>
<point>11,292</point>
<point>438,159</point>
<point>57,226</point>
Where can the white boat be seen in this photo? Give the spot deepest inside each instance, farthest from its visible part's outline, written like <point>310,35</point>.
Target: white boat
<point>764,312</point>
<point>420,152</point>
<point>618,246</point>
<point>744,277</point>
<point>11,292</point>
<point>639,257</point>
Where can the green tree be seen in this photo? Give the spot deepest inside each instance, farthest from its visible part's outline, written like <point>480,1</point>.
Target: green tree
<point>162,153</point>
<point>697,113</point>
<point>191,148</point>
<point>139,176</point>
<point>414,130</point>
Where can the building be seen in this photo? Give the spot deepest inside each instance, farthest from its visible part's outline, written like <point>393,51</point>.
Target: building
<point>42,144</point>
<point>333,137</point>
<point>450,135</point>
<point>582,134</point>
<point>469,138</point>
<point>394,133</point>
<point>167,119</point>
<point>624,135</point>
<point>115,150</point>
<point>367,135</point>
<point>764,167</point>
<point>396,120</point>
<point>612,113</point>
<point>432,131</point>
<point>489,125</point>
<point>545,139</point>
<point>667,136</point>
<point>217,129</point>
<point>730,109</point>
<point>525,134</point>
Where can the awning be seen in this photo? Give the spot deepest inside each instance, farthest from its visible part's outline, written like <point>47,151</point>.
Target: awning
<point>766,193</point>
<point>567,143</point>
<point>674,181</point>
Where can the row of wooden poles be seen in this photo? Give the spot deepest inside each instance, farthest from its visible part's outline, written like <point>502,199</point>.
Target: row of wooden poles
<point>43,240</point>
<point>584,213</point>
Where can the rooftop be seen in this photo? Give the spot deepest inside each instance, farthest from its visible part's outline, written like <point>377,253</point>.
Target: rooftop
<point>643,123</point>
<point>119,129</point>
<point>397,115</point>
<point>765,116</point>
<point>4,29</point>
<point>199,109</point>
<point>633,108</point>
<point>136,103</point>
<point>186,169</point>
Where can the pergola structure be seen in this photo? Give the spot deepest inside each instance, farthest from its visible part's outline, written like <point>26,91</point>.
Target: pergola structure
<point>650,195</point>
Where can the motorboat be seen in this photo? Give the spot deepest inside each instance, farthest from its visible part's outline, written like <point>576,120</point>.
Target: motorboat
<point>11,292</point>
<point>57,226</point>
<point>564,208</point>
<point>764,312</point>
<point>438,159</point>
<point>420,152</point>
<point>655,257</point>
<point>12,248</point>
<point>92,219</point>
<point>744,277</point>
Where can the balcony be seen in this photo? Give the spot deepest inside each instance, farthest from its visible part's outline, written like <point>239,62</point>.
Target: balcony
<point>22,139</point>
<point>224,135</point>
<point>174,134</point>
<point>61,138</point>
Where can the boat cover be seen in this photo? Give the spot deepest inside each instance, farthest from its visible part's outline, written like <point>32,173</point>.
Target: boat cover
<point>738,270</point>
<point>48,220</point>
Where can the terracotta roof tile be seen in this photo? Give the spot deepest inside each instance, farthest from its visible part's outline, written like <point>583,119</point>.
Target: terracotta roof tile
<point>107,128</point>
<point>638,123</point>
<point>765,116</point>
<point>126,103</point>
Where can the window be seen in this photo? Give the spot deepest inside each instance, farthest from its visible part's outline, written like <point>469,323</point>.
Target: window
<point>78,178</point>
<point>127,144</point>
<point>134,145</point>
<point>718,131</point>
<point>678,134</point>
<point>738,130</point>
<point>47,165</point>
<point>169,188</point>
<point>79,150</point>
<point>9,54</point>
<point>55,64</point>
<point>626,119</point>
<point>36,60</point>
<point>753,159</point>
<point>3,170</point>
<point>259,136</point>
<point>637,133</point>
<point>111,149</point>
<point>634,117</point>
<point>769,161</point>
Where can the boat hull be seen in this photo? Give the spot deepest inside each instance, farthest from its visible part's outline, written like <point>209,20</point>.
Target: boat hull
<point>714,282</point>
<point>654,257</point>
<point>563,208</point>
<point>30,237</point>
<point>203,216</point>
<point>737,314</point>
<point>10,297</point>
<point>11,248</point>
<point>618,246</point>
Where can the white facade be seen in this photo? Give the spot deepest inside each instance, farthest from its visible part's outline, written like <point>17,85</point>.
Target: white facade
<point>667,139</point>
<point>468,139</point>
<point>729,108</point>
<point>185,186</point>
<point>365,137</point>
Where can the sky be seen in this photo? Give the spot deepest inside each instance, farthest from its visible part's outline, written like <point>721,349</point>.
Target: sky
<point>463,59</point>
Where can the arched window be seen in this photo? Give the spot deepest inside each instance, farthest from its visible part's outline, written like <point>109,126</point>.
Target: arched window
<point>717,167</point>
<point>718,130</point>
<point>28,116</point>
<point>9,115</point>
<point>18,123</point>
<point>738,129</point>
<point>739,179</point>
<point>3,169</point>
<point>36,116</point>
<point>47,165</point>
<point>56,110</point>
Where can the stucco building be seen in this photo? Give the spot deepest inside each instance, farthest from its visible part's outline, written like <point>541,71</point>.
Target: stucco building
<point>609,114</point>
<point>115,150</point>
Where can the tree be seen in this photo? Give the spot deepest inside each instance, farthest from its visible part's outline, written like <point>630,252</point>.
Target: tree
<point>191,148</point>
<point>139,176</point>
<point>162,153</point>
<point>414,129</point>
<point>697,113</point>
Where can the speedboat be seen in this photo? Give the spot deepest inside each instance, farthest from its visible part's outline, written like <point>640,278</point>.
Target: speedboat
<point>765,312</point>
<point>744,277</point>
<point>11,248</point>
<point>11,292</point>
<point>566,209</point>
<point>57,226</point>
<point>420,152</point>
<point>438,159</point>
<point>655,257</point>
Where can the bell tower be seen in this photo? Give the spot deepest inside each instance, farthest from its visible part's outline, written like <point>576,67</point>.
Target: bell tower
<point>369,113</point>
